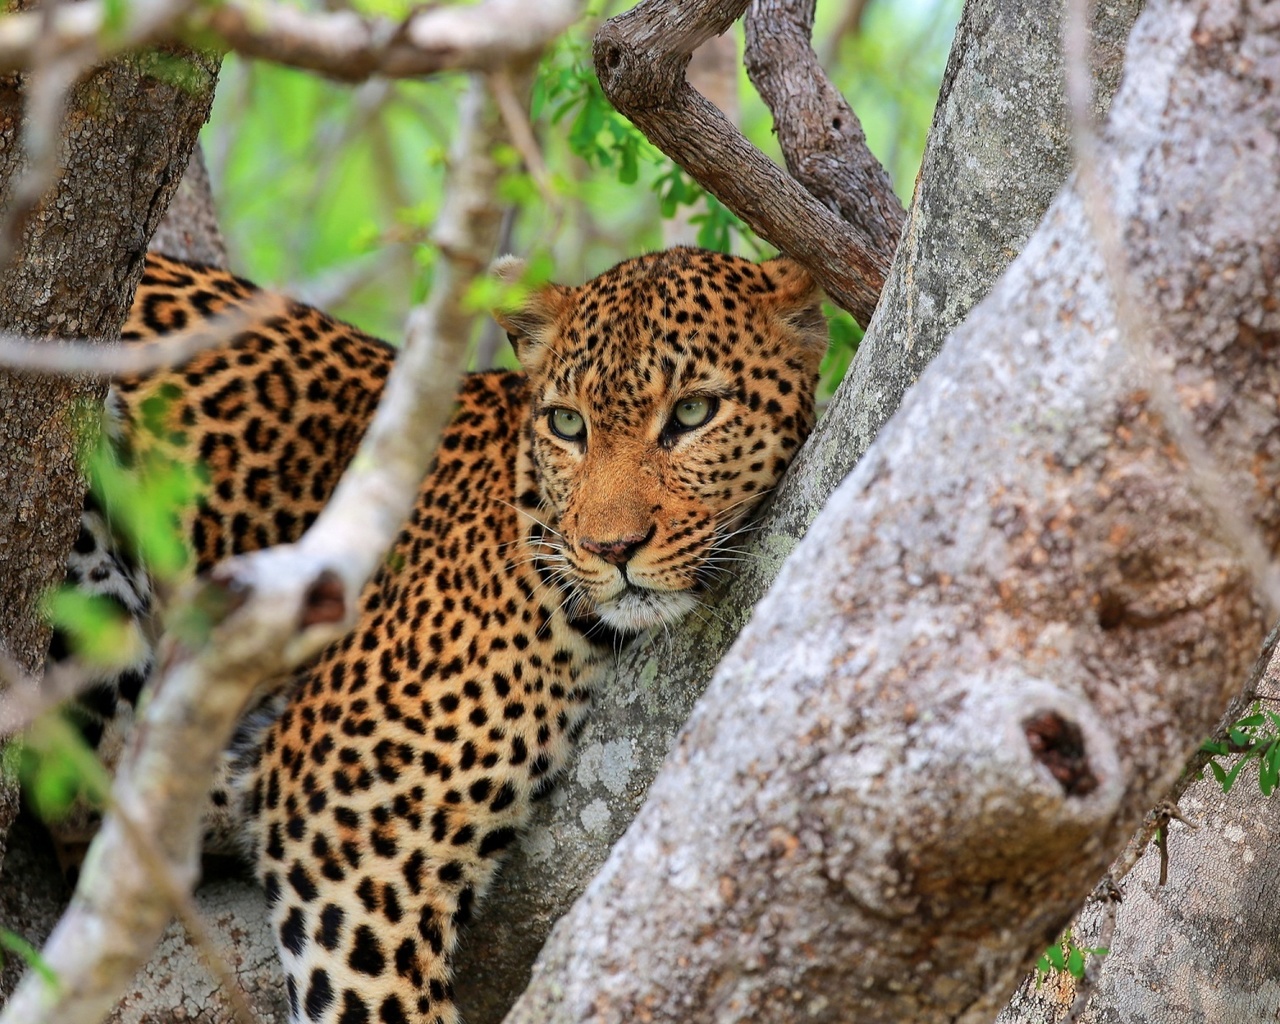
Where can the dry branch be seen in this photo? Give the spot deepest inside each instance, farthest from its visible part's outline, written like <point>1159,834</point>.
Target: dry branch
<point>993,650</point>
<point>820,135</point>
<point>271,611</point>
<point>640,59</point>
<point>340,44</point>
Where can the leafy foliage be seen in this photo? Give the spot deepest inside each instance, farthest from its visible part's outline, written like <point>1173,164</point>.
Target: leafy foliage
<point>1065,955</point>
<point>1254,739</point>
<point>316,177</point>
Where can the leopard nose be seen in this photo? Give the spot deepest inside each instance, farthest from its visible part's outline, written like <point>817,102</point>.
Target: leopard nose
<point>617,552</point>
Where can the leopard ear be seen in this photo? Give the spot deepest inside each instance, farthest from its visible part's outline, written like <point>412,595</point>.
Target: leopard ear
<point>529,321</point>
<point>797,301</point>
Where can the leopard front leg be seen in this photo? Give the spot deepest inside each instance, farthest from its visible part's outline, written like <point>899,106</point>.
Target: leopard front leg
<point>375,838</point>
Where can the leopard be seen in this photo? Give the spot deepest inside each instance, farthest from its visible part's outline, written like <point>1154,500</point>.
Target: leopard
<point>588,497</point>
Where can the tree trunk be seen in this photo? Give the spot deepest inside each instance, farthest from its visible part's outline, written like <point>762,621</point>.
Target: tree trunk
<point>1198,948</point>
<point>74,259</point>
<point>995,647</point>
<point>657,684</point>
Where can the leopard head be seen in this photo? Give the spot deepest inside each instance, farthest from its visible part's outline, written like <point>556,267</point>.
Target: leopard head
<point>669,394</point>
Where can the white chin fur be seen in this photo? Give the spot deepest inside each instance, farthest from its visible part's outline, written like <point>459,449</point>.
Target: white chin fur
<point>634,611</point>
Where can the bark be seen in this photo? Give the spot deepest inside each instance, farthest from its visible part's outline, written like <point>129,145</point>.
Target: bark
<point>820,135</point>
<point>189,229</point>
<point>1200,948</point>
<point>996,646</point>
<point>713,71</point>
<point>658,682</point>
<point>339,43</point>
<point>73,259</point>
<point>127,136</point>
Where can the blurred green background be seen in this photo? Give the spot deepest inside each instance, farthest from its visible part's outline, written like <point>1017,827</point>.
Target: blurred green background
<point>330,191</point>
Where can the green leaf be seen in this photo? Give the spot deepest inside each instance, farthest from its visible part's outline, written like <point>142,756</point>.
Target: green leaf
<point>1232,775</point>
<point>101,632</point>
<point>57,768</point>
<point>15,943</point>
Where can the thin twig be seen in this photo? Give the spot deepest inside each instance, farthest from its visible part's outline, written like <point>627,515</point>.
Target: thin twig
<point>64,356</point>
<point>281,606</point>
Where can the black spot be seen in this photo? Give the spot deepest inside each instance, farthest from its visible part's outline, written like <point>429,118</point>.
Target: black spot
<point>498,839</point>
<point>450,871</point>
<point>366,954</point>
<point>413,871</point>
<point>392,1011</point>
<point>331,919</point>
<point>301,882</point>
<point>353,1010</point>
<point>292,933</point>
<point>406,957</point>
<point>430,931</point>
<point>319,994</point>
<point>505,798</point>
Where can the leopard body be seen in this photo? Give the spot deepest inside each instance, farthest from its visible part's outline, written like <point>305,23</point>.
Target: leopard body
<point>590,496</point>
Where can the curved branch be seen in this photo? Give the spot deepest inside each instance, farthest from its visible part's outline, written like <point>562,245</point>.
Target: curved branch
<point>350,47</point>
<point>640,58</point>
<point>820,135</point>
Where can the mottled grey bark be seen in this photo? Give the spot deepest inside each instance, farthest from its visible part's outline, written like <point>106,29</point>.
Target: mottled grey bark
<point>999,46</point>
<point>73,258</point>
<point>1201,948</point>
<point>996,645</point>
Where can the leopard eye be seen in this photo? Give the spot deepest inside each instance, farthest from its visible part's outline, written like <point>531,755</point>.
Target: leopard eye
<point>567,424</point>
<point>693,412</point>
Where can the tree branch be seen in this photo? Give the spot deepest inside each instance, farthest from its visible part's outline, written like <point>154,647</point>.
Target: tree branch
<point>640,59</point>
<point>271,611</point>
<point>340,44</point>
<point>991,652</point>
<point>820,135</point>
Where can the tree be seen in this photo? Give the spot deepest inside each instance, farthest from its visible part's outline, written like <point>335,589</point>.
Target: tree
<point>935,862</point>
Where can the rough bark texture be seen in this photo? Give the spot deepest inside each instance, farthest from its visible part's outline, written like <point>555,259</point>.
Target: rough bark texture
<point>997,644</point>
<point>998,152</point>
<point>658,682</point>
<point>74,261</point>
<point>1200,948</point>
<point>189,229</point>
<point>820,135</point>
<point>127,137</point>
<point>640,58</point>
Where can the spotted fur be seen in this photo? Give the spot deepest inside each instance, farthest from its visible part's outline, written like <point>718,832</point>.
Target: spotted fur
<point>588,497</point>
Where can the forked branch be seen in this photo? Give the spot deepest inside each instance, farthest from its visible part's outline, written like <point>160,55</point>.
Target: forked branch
<point>640,58</point>
<point>820,135</point>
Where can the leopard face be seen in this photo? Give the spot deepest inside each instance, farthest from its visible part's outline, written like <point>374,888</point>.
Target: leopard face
<point>668,396</point>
